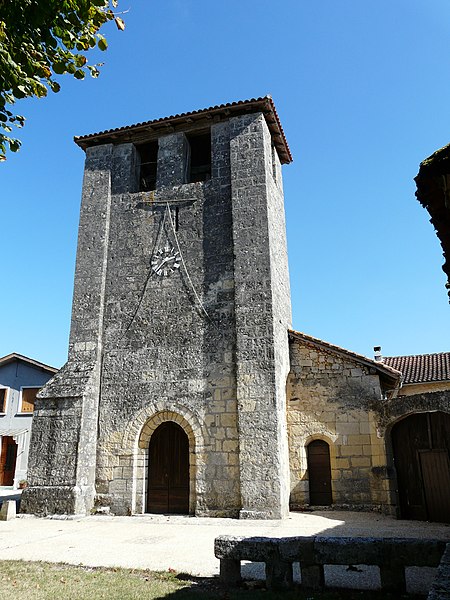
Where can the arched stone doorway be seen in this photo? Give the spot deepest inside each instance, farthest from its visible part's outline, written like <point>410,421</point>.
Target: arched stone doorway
<point>134,453</point>
<point>168,470</point>
<point>421,445</point>
<point>319,473</point>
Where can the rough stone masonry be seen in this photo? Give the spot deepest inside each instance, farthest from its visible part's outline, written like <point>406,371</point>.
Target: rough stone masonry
<point>181,314</point>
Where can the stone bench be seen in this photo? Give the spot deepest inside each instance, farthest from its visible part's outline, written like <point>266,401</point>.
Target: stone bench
<point>391,555</point>
<point>440,590</point>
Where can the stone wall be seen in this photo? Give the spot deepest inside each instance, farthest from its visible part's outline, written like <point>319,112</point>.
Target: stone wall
<point>167,340</point>
<point>64,434</point>
<point>55,432</point>
<point>334,398</point>
<point>412,389</point>
<point>403,405</point>
<point>173,339</point>
<point>203,344</point>
<point>263,316</point>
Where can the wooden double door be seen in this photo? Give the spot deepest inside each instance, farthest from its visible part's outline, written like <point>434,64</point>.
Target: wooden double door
<point>421,445</point>
<point>168,470</point>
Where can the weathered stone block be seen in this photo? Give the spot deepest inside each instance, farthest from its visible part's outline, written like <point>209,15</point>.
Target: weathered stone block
<point>313,576</point>
<point>230,571</point>
<point>52,500</point>
<point>8,510</point>
<point>393,579</point>
<point>358,439</point>
<point>279,574</point>
<point>352,450</point>
<point>347,551</point>
<point>295,549</point>
<point>361,461</point>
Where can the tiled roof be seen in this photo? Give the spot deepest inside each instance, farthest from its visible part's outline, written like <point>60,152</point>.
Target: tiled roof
<point>4,360</point>
<point>421,368</point>
<point>381,367</point>
<point>141,131</point>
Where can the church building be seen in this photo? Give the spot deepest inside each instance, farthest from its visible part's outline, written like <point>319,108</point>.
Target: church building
<point>186,389</point>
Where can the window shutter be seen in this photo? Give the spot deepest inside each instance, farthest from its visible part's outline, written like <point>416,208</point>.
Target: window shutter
<point>28,398</point>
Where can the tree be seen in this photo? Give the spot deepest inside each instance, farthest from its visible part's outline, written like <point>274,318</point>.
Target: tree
<point>41,39</point>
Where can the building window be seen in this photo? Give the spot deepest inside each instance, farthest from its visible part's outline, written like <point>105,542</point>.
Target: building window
<point>3,399</point>
<point>27,398</point>
<point>199,157</point>
<point>148,154</point>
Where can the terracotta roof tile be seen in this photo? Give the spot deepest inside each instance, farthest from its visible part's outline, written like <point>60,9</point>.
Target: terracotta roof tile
<point>263,104</point>
<point>421,368</point>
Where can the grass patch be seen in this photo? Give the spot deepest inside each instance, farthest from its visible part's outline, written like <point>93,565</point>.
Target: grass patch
<point>46,581</point>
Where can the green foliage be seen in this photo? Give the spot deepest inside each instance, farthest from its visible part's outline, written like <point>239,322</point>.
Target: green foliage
<point>40,39</point>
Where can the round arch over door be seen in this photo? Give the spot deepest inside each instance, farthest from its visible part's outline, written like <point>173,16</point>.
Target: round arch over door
<point>319,473</point>
<point>421,445</point>
<point>168,470</point>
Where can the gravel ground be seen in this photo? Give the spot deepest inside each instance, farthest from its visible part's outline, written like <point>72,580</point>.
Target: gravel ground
<point>186,544</point>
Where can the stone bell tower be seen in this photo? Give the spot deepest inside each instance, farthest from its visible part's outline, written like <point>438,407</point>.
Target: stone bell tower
<point>173,397</point>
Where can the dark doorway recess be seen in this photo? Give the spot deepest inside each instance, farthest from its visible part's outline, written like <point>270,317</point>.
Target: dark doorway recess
<point>200,157</point>
<point>421,445</point>
<point>168,470</point>
<point>8,460</point>
<point>319,473</point>
<point>148,154</point>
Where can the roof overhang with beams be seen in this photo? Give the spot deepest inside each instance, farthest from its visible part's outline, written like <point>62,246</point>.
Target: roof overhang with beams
<point>148,130</point>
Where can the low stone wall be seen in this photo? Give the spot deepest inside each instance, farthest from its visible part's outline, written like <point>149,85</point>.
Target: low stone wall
<point>391,555</point>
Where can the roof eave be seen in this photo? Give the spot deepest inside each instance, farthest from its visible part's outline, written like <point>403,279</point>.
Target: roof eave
<point>391,374</point>
<point>4,360</point>
<point>141,131</point>
<point>427,382</point>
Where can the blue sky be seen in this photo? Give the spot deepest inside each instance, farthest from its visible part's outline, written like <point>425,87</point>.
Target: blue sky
<point>363,93</point>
